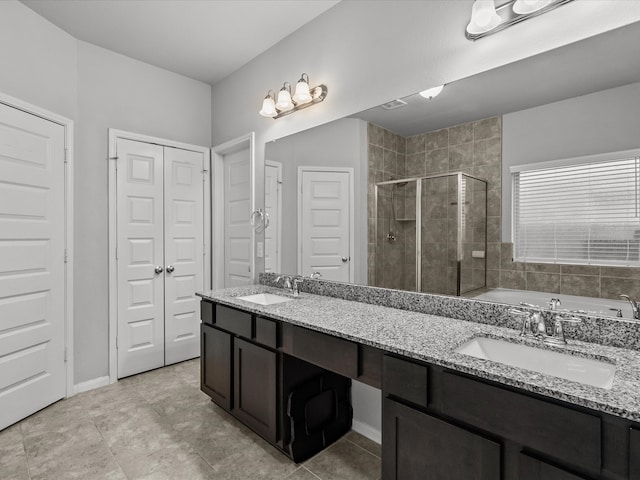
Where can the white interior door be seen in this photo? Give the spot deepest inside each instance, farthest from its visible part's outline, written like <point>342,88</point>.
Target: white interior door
<point>237,210</point>
<point>183,245</point>
<point>273,207</point>
<point>140,256</point>
<point>32,272</point>
<point>325,224</point>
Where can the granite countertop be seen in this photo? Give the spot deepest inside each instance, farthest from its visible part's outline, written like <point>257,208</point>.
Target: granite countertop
<point>433,339</point>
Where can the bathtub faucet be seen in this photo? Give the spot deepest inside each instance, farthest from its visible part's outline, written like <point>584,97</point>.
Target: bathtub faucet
<point>634,306</point>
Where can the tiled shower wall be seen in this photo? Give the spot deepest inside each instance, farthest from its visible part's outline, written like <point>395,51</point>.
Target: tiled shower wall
<point>474,148</point>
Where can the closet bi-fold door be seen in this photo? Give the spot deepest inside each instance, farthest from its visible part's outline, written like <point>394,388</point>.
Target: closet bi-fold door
<point>183,247</point>
<point>140,257</point>
<point>160,255</point>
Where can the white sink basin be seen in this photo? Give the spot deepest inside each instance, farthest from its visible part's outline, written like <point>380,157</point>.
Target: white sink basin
<point>265,298</point>
<point>578,369</point>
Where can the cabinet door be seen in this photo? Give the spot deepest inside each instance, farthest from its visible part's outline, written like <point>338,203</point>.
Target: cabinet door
<point>215,365</point>
<point>419,446</point>
<point>255,388</point>
<point>534,469</point>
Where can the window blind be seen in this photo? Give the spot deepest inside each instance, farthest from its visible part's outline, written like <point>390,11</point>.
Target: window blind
<point>584,213</point>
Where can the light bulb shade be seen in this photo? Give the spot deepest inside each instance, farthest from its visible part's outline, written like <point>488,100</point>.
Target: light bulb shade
<point>524,7</point>
<point>268,107</point>
<point>432,92</point>
<point>302,94</point>
<point>483,17</point>
<point>284,103</point>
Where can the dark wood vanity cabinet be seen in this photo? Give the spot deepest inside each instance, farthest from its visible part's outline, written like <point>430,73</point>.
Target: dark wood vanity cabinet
<point>295,405</point>
<point>443,425</point>
<point>291,384</point>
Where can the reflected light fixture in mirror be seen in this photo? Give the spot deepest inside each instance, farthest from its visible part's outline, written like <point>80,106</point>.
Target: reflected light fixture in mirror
<point>284,104</point>
<point>486,18</point>
<point>430,93</point>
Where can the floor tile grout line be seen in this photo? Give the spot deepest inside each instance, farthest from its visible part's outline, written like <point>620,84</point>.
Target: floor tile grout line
<point>362,448</point>
<point>24,447</point>
<point>305,468</point>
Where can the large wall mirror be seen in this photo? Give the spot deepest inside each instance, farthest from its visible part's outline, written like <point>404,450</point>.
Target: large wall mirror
<point>416,194</point>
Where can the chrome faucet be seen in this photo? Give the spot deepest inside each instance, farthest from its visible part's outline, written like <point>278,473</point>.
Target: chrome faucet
<point>535,326</point>
<point>634,306</point>
<point>291,282</point>
<point>554,303</point>
<point>315,275</point>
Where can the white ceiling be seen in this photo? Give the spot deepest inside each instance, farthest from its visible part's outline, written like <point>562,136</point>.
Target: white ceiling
<point>605,61</point>
<point>203,39</point>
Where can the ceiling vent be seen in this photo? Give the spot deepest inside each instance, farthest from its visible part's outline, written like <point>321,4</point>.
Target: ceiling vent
<point>393,104</point>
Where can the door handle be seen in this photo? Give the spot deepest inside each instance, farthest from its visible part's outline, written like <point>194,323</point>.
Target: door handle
<point>158,269</point>
<point>170,268</point>
<point>344,259</point>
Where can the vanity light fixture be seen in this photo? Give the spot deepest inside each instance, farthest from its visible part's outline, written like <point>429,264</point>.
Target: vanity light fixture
<point>430,93</point>
<point>486,18</point>
<point>285,103</point>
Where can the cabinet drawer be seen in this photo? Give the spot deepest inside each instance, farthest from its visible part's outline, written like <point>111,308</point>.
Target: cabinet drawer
<point>234,321</point>
<point>404,379</point>
<point>332,353</point>
<point>560,432</point>
<point>634,454</point>
<point>206,312</point>
<point>419,446</point>
<point>530,468</point>
<point>267,332</point>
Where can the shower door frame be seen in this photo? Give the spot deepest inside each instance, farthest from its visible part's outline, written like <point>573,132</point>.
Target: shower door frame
<point>459,252</point>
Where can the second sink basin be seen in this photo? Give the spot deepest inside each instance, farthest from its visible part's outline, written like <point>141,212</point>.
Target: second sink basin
<point>265,298</point>
<point>578,369</point>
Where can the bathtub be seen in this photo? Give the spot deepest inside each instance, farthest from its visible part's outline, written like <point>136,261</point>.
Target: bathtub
<point>593,306</point>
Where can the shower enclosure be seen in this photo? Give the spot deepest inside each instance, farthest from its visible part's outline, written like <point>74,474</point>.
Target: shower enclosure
<point>431,234</point>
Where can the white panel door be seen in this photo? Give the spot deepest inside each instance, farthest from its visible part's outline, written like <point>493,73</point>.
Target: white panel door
<point>140,257</point>
<point>183,245</point>
<point>325,224</point>
<point>237,210</point>
<point>32,272</point>
<point>272,205</point>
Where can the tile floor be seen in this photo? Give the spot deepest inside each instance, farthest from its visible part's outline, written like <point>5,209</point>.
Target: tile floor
<point>159,425</point>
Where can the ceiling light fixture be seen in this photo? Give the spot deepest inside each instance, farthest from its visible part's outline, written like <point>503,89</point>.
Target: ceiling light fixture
<point>430,93</point>
<point>284,103</point>
<point>487,19</point>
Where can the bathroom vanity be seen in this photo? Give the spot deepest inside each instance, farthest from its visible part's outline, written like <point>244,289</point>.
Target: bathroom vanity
<point>446,413</point>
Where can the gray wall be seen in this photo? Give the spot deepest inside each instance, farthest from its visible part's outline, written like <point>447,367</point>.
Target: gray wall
<point>601,122</point>
<point>98,89</point>
<point>336,144</point>
<point>115,91</point>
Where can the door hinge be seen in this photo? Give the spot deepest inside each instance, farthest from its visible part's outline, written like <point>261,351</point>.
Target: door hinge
<point>66,155</point>
<point>116,253</point>
<point>65,355</point>
<point>66,257</point>
<point>116,342</point>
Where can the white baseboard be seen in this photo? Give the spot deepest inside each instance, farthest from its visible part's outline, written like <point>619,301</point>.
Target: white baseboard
<point>91,384</point>
<point>367,431</point>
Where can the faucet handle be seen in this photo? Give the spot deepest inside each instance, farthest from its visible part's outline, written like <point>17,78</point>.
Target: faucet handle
<point>557,336</point>
<point>617,310</point>
<point>527,329</point>
<point>315,275</point>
